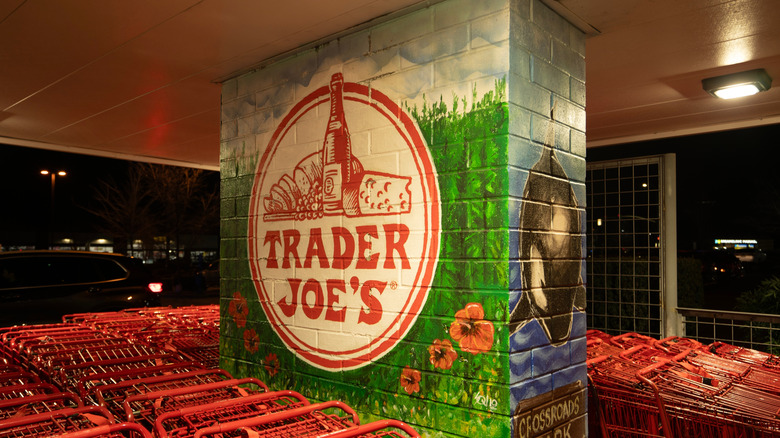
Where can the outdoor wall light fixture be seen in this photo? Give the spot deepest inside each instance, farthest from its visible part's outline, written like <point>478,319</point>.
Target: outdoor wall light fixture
<point>740,84</point>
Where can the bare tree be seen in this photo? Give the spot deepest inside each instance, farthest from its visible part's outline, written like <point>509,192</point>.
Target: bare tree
<point>182,200</point>
<point>124,208</point>
<point>158,200</point>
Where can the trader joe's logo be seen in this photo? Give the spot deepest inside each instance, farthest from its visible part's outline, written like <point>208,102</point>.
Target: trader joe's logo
<point>343,227</point>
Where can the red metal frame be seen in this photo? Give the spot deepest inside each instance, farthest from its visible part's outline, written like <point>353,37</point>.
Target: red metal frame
<point>37,404</point>
<point>86,384</point>
<point>138,407</point>
<point>376,429</point>
<point>184,422</point>
<point>120,430</point>
<point>9,392</point>
<point>55,423</point>
<point>18,378</point>
<point>301,422</point>
<point>71,375</point>
<point>112,396</point>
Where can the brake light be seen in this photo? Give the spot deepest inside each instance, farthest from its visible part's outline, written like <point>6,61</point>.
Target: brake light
<point>155,287</point>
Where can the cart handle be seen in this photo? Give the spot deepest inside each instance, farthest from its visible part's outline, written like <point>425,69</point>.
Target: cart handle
<point>661,362</point>
<point>108,429</point>
<point>594,341</point>
<point>159,427</point>
<point>626,353</point>
<point>156,379</point>
<point>661,344</point>
<point>595,360</point>
<point>130,373</point>
<point>682,355</point>
<point>659,402</point>
<point>89,411</point>
<point>187,390</point>
<point>374,426</point>
<point>42,398</point>
<point>276,416</point>
<point>43,387</point>
<point>617,339</point>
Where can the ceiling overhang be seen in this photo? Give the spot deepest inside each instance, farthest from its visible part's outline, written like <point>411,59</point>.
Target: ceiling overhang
<point>140,80</point>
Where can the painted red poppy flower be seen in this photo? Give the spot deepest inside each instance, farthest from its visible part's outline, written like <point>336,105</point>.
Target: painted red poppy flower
<point>251,341</point>
<point>238,309</point>
<point>474,334</point>
<point>442,354</point>
<point>410,380</point>
<point>272,364</point>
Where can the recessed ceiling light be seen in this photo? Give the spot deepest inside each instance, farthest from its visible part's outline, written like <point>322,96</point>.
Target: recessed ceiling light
<point>740,84</point>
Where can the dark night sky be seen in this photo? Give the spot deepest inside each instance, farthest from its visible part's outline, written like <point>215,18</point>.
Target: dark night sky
<point>728,183</point>
<point>26,194</point>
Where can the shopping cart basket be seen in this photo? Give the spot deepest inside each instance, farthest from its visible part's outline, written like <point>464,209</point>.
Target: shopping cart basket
<point>745,355</point>
<point>199,345</point>
<point>184,422</point>
<point>120,430</point>
<point>18,378</point>
<point>145,408</point>
<point>19,406</point>
<point>129,371</point>
<point>28,390</point>
<point>55,423</point>
<point>700,407</point>
<point>377,429</point>
<point>113,396</point>
<point>306,421</point>
<point>76,375</point>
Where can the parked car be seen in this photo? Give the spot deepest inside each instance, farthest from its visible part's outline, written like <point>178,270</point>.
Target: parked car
<point>720,266</point>
<point>42,286</point>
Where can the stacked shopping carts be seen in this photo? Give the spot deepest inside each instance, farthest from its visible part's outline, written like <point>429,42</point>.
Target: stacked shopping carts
<point>678,387</point>
<point>147,373</point>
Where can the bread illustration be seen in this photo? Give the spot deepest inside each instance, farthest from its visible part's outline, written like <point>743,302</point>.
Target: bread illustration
<point>299,196</point>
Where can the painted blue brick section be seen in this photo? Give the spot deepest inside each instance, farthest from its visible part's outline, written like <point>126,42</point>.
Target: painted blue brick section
<point>547,76</point>
<point>548,358</point>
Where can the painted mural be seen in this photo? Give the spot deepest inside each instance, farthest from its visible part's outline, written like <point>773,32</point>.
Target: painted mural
<point>344,245</point>
<point>550,251</point>
<point>376,238</point>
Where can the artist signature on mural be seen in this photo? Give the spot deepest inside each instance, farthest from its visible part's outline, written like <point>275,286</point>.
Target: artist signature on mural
<point>486,401</point>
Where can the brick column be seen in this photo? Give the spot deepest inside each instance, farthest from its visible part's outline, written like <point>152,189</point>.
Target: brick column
<point>417,255</point>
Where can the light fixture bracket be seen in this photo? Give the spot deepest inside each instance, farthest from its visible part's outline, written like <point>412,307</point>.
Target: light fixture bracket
<point>757,78</point>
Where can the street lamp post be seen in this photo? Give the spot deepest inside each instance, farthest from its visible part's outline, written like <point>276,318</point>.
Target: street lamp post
<point>54,176</point>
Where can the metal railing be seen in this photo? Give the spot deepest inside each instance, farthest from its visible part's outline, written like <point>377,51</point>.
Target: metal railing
<point>751,330</point>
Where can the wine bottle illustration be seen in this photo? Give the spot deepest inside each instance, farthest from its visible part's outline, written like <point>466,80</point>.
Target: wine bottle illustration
<point>332,181</point>
<point>341,171</point>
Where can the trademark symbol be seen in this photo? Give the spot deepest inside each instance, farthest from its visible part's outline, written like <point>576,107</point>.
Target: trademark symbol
<point>393,285</point>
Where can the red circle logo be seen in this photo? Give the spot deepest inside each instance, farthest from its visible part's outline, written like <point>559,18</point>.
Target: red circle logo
<point>344,226</point>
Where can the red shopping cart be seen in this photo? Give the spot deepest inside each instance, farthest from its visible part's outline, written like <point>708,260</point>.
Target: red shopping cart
<point>76,375</point>
<point>185,422</point>
<point>55,423</point>
<point>145,408</point>
<point>377,429</point>
<point>28,390</point>
<point>119,430</point>
<point>306,421</point>
<point>87,385</point>
<point>113,396</point>
<point>37,404</point>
